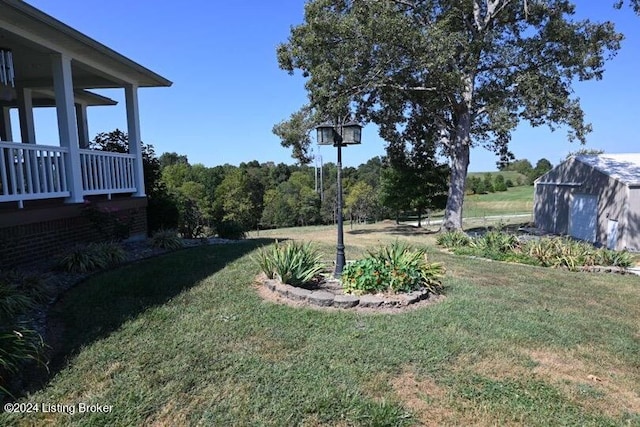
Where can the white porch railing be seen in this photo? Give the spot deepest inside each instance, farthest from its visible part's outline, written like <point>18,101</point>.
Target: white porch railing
<point>107,173</point>
<point>30,172</point>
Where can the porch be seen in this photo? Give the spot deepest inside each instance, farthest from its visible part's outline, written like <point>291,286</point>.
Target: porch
<point>47,174</point>
<point>37,172</point>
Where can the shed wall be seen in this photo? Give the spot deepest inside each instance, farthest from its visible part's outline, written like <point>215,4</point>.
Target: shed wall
<point>556,189</point>
<point>631,224</point>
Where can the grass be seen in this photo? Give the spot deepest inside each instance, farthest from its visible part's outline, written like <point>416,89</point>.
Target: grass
<point>514,201</point>
<point>517,200</point>
<point>184,339</point>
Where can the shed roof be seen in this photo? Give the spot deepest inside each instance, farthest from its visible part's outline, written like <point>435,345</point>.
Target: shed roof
<point>621,167</point>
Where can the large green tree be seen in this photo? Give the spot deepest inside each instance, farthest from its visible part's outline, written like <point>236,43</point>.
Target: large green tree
<point>238,199</point>
<point>414,179</point>
<point>465,72</point>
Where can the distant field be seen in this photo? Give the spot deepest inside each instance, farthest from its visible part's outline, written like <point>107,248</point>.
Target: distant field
<point>517,200</point>
<point>512,175</point>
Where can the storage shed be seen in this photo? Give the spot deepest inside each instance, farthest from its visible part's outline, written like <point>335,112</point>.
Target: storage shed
<point>595,198</point>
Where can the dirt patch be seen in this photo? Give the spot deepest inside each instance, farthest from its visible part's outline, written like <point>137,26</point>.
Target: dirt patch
<point>498,366</point>
<point>168,415</point>
<point>425,399</point>
<point>600,387</point>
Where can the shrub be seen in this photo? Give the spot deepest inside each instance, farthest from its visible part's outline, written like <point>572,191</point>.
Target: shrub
<point>192,221</point>
<point>499,183</point>
<point>166,239</point>
<point>292,263</point>
<point>453,239</point>
<point>94,256</point>
<point>162,212</point>
<point>230,230</point>
<point>608,257</point>
<point>395,268</point>
<point>110,223</point>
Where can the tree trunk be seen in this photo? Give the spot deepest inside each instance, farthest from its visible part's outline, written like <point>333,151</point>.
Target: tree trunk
<point>459,165</point>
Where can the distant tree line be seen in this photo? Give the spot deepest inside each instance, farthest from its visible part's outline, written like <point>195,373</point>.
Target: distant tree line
<point>229,200</point>
<point>491,182</point>
<point>256,195</point>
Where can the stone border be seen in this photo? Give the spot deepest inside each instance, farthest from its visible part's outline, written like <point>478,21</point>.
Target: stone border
<point>323,298</point>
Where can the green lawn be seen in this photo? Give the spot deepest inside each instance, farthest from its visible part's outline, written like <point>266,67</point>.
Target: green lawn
<point>184,339</point>
<point>516,200</point>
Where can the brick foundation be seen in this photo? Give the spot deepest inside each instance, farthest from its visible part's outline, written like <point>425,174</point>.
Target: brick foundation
<point>39,233</point>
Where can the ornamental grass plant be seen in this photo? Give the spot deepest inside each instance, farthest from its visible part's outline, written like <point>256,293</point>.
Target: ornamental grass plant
<point>292,263</point>
<point>556,252</point>
<point>166,239</point>
<point>19,343</point>
<point>94,256</point>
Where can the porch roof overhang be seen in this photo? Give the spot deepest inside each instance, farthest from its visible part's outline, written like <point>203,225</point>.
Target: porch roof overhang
<point>46,98</point>
<point>33,36</point>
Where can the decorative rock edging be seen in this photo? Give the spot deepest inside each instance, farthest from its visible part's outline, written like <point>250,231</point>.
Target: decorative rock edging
<point>324,298</point>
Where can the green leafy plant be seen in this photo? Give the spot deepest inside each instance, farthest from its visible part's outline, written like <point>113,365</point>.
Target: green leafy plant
<point>496,241</point>
<point>613,258</point>
<point>94,256</point>
<point>110,223</point>
<point>395,268</point>
<point>166,239</point>
<point>230,230</point>
<point>292,263</point>
<point>453,239</point>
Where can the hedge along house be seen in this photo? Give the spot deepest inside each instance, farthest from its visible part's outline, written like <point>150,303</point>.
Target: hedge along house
<point>45,63</point>
<point>593,198</point>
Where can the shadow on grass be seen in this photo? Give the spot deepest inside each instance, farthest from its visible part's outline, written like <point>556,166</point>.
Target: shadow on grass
<point>396,230</point>
<point>509,228</point>
<point>96,307</point>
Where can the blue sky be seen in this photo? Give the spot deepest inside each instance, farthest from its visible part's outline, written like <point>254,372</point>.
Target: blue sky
<point>228,91</point>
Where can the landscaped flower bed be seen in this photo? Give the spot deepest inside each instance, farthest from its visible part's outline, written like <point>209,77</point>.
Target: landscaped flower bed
<point>393,276</point>
<point>557,252</point>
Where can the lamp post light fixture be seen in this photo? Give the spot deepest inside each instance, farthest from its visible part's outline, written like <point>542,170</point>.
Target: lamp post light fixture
<point>339,135</point>
<point>7,76</point>
<point>6,67</point>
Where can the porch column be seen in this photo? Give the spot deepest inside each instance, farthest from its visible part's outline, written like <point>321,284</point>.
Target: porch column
<point>133,129</point>
<point>83,126</point>
<point>67,125</point>
<point>25,112</point>
<point>5,125</point>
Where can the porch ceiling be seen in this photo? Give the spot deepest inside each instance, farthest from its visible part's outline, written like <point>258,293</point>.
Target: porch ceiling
<point>33,36</point>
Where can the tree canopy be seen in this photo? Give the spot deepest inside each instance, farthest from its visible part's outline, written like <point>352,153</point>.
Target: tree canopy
<point>452,73</point>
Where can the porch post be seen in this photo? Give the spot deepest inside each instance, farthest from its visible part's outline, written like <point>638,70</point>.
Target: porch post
<point>5,125</point>
<point>25,112</point>
<point>133,129</point>
<point>67,125</point>
<point>83,126</point>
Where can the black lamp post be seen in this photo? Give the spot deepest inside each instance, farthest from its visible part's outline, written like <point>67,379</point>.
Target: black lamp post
<point>339,135</point>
